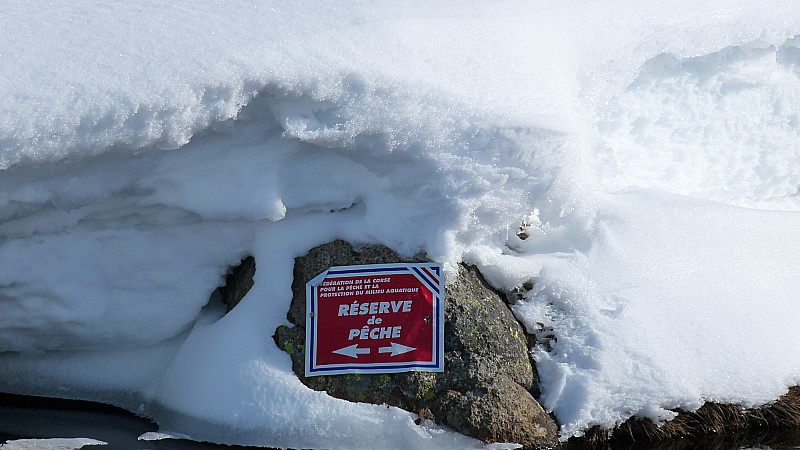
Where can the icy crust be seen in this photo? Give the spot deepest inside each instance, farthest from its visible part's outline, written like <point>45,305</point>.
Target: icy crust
<point>438,128</point>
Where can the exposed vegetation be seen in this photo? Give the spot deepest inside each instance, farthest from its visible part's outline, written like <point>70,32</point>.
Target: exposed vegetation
<point>712,422</point>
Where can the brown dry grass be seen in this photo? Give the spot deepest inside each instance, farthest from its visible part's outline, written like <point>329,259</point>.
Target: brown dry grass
<point>710,419</point>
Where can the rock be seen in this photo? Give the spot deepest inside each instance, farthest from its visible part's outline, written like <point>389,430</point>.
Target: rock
<point>485,390</point>
<point>238,282</point>
<point>502,412</point>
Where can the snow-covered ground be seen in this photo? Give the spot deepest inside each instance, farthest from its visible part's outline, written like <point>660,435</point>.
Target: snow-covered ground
<point>650,151</point>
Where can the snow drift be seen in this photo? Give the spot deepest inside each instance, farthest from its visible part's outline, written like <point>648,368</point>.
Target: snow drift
<point>649,152</point>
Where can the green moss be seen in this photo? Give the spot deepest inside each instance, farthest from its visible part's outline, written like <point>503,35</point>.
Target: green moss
<point>381,382</point>
<point>360,397</point>
<point>426,390</point>
<point>288,348</point>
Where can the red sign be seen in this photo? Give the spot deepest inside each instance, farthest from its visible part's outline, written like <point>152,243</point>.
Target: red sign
<point>379,318</point>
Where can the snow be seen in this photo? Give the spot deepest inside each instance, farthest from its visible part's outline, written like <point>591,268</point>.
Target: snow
<point>649,152</point>
<point>50,444</point>
<point>671,318</point>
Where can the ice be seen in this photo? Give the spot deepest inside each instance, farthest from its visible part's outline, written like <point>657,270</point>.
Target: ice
<point>50,444</point>
<point>157,436</point>
<point>634,165</point>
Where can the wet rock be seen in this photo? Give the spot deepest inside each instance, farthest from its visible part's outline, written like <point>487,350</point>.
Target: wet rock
<point>485,390</point>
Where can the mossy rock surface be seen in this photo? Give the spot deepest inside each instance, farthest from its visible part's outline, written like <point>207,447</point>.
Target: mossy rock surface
<point>486,390</point>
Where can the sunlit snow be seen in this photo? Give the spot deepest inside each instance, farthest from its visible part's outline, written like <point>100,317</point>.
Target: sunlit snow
<point>650,152</point>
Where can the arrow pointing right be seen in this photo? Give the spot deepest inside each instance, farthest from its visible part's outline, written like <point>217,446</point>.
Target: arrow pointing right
<point>396,349</point>
<point>352,351</point>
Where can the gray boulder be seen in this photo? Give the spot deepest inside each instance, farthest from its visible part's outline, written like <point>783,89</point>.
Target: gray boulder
<point>486,388</point>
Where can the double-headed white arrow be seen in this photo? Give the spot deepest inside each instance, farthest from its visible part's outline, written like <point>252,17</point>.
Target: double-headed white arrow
<point>395,349</point>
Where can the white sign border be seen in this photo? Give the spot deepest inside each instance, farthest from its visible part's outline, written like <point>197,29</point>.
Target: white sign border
<point>437,289</point>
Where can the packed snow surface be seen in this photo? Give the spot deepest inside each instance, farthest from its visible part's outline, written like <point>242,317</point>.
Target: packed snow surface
<point>637,162</point>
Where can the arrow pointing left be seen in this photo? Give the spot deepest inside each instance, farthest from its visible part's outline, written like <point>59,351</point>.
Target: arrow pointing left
<point>352,351</point>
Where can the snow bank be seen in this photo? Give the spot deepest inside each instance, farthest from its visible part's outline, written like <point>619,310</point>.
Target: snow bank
<point>145,148</point>
<point>677,302</point>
